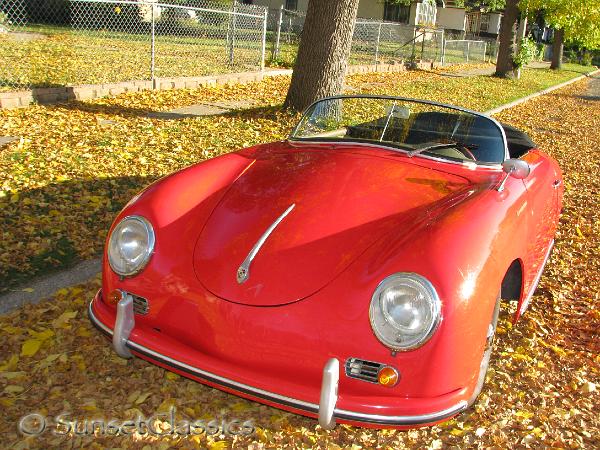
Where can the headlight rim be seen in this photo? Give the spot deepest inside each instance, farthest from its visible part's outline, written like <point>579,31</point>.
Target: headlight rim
<point>148,252</point>
<point>437,310</point>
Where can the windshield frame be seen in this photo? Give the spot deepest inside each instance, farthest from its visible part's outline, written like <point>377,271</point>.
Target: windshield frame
<point>396,147</point>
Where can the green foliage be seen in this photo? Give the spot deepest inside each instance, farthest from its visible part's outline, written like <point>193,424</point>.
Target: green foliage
<point>528,51</point>
<point>580,19</point>
<point>485,5</point>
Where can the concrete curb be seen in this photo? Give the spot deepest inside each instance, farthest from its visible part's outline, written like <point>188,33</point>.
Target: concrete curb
<point>23,99</point>
<point>43,287</point>
<point>542,92</point>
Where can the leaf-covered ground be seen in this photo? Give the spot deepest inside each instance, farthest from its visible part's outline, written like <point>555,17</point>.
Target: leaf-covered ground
<point>78,163</point>
<point>543,388</point>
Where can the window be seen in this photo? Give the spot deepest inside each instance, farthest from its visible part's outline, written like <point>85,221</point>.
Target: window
<point>292,5</point>
<point>396,13</point>
<point>484,26</point>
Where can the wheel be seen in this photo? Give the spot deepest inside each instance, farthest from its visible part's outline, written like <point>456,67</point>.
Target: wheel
<point>487,352</point>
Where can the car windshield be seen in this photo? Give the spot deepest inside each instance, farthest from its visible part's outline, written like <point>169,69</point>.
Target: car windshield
<point>414,126</point>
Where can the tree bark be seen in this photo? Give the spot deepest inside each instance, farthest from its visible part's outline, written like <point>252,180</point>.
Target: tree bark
<point>557,49</point>
<point>323,53</point>
<point>508,45</point>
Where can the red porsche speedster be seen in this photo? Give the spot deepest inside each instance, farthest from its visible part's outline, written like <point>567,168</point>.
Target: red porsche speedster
<point>352,272</point>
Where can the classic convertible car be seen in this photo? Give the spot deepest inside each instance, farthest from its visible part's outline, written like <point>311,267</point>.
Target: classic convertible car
<point>352,272</point>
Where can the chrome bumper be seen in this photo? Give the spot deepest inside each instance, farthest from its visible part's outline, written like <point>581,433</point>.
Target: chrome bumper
<point>326,409</point>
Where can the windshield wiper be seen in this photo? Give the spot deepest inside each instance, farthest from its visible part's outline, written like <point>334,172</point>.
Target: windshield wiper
<point>424,148</point>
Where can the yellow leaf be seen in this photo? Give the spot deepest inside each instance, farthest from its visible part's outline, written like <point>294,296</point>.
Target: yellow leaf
<point>12,330</point>
<point>11,364</point>
<point>142,398</point>
<point>218,445</point>
<point>12,375</point>
<point>30,347</point>
<point>171,376</point>
<point>7,402</point>
<point>83,332</point>
<point>28,290</point>
<point>241,406</point>
<point>41,335</point>
<point>13,389</point>
<point>63,319</point>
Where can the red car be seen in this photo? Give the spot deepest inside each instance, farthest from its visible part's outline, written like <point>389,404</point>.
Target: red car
<point>352,272</point>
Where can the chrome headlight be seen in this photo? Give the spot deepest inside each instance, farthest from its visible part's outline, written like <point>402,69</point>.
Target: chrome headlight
<point>130,246</point>
<point>405,311</point>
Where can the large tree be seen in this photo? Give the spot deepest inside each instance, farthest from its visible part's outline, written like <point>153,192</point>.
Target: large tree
<point>507,46</point>
<point>323,53</point>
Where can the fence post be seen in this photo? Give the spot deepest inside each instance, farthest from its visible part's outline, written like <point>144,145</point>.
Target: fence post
<point>264,41</point>
<point>484,51</point>
<point>468,49</point>
<point>377,44</point>
<point>152,45</point>
<point>443,49</point>
<point>278,34</point>
<point>232,34</point>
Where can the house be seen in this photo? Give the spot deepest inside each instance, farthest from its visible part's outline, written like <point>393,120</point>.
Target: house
<point>420,12</point>
<point>485,24</point>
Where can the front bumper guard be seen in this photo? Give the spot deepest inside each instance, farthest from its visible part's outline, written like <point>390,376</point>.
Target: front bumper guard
<point>326,409</point>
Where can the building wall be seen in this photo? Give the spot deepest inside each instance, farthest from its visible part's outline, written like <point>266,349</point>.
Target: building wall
<point>275,4</point>
<point>451,18</point>
<point>495,19</point>
<point>370,9</point>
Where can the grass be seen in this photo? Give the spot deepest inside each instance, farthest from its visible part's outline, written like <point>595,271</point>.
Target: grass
<point>61,56</point>
<point>78,163</point>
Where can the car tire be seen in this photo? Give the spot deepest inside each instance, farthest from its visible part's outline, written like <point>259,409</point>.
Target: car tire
<point>487,352</point>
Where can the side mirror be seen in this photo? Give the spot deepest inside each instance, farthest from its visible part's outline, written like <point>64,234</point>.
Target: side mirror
<point>515,168</point>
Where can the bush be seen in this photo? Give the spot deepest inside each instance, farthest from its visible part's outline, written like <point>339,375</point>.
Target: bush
<point>528,51</point>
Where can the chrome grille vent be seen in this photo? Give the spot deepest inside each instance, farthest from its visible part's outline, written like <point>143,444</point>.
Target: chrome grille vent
<point>363,370</point>
<point>140,305</point>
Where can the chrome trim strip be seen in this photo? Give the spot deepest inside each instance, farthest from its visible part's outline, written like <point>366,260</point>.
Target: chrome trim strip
<point>402,420</point>
<point>281,399</point>
<point>525,304</point>
<point>329,394</point>
<point>243,271</point>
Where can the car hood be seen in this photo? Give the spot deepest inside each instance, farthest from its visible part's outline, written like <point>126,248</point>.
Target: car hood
<point>343,203</point>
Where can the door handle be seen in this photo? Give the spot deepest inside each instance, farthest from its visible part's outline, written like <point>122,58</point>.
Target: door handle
<point>556,184</point>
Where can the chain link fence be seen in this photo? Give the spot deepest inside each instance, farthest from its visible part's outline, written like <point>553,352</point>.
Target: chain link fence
<point>373,41</point>
<point>104,41</point>
<point>458,51</point>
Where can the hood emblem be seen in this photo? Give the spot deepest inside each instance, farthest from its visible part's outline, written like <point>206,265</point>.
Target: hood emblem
<point>243,272</point>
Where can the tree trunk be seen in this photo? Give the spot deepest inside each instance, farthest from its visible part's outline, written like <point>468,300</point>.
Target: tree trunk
<point>508,46</point>
<point>557,49</point>
<point>323,52</point>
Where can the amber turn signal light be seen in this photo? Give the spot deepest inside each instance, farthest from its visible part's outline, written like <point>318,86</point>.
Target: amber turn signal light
<point>388,376</point>
<point>114,297</point>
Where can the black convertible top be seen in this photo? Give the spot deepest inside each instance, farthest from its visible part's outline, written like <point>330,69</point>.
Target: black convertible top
<point>518,142</point>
